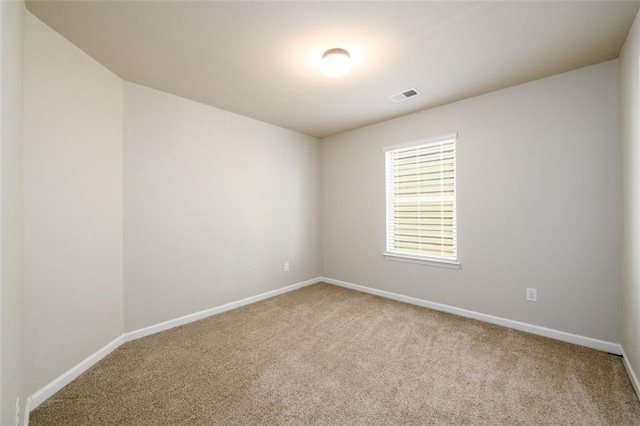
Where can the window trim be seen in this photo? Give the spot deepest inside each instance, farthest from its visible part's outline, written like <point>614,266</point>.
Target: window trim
<point>424,260</point>
<point>415,258</point>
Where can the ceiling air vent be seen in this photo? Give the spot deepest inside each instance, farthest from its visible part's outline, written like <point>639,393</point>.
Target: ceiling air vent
<point>403,96</point>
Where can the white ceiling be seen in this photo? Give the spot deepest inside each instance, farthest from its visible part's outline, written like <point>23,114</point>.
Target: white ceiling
<point>260,59</point>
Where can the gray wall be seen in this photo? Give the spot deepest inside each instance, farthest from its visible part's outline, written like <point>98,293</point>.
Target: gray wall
<point>73,159</point>
<point>215,203</point>
<point>11,286</point>
<point>630,103</point>
<point>538,188</point>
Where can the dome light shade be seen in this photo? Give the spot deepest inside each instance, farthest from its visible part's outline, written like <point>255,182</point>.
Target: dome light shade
<point>336,62</point>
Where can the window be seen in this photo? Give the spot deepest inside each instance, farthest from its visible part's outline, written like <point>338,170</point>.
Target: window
<point>421,201</point>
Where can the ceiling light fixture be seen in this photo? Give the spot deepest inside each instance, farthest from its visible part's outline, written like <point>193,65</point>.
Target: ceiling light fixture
<point>336,62</point>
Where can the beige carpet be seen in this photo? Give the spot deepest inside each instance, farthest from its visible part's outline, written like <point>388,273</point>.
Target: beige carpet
<point>327,355</point>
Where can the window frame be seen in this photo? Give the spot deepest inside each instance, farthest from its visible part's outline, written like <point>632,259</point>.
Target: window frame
<point>446,262</point>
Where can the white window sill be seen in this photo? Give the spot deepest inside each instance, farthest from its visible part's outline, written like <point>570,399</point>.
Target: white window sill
<point>422,260</point>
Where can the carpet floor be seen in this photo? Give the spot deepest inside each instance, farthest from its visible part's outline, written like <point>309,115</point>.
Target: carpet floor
<point>332,356</point>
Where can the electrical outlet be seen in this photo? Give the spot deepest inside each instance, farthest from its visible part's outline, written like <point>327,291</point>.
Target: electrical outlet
<point>17,412</point>
<point>286,266</point>
<point>532,294</point>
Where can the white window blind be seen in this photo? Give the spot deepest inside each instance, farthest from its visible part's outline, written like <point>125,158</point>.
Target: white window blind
<point>421,199</point>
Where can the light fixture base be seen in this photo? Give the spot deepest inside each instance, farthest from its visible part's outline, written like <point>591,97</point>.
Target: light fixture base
<point>336,51</point>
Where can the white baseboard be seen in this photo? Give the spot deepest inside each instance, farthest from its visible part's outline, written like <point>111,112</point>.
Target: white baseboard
<point>602,345</point>
<point>632,374</point>
<point>27,411</point>
<point>137,334</point>
<point>64,379</point>
<point>47,391</point>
